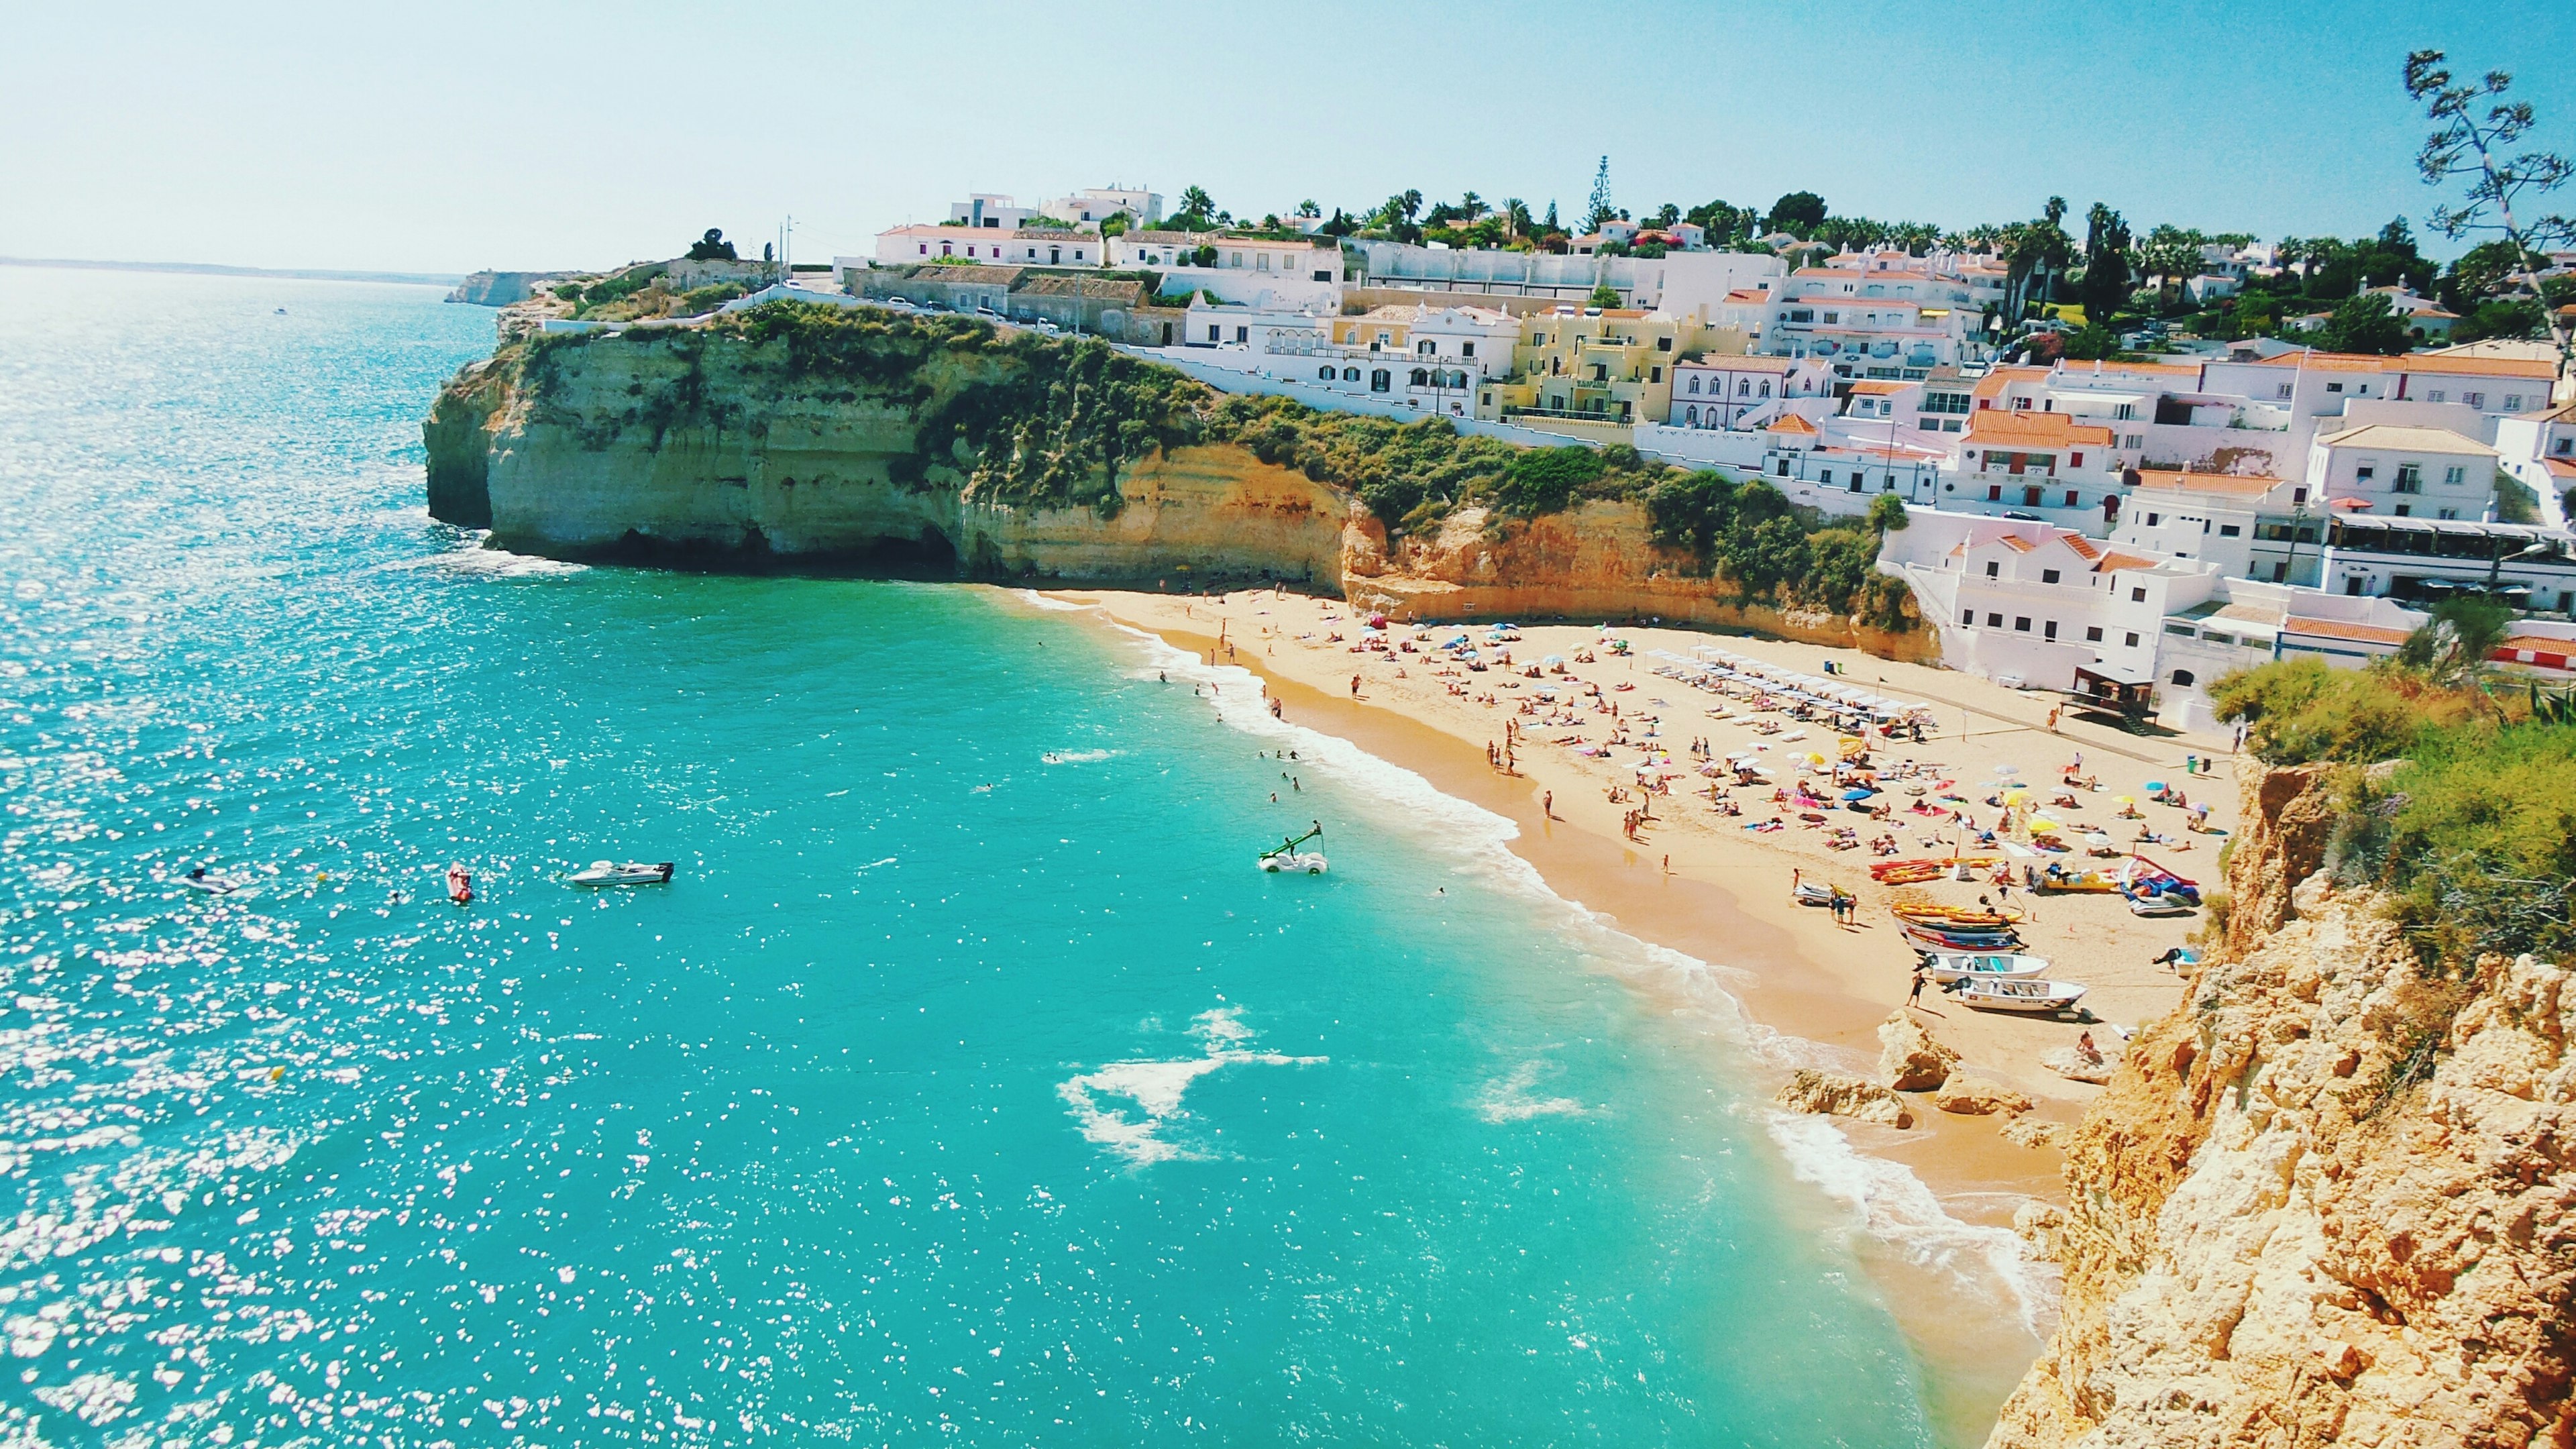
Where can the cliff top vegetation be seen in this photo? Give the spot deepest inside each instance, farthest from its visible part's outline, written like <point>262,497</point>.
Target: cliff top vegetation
<point>2458,789</point>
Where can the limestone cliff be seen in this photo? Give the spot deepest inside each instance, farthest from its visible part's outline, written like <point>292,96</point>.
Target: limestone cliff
<point>951,450</point>
<point>2324,1201</point>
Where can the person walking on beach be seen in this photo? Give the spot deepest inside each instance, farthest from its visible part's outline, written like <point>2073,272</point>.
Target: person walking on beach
<point>1921,975</point>
<point>1355,686</point>
<point>1547,803</point>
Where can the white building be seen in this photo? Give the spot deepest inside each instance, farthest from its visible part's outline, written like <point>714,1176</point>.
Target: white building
<point>1681,284</point>
<point>1300,272</point>
<point>2027,601</point>
<point>1743,392</point>
<point>1046,247</point>
<point>2402,472</point>
<point>1092,205</point>
<point>2539,449</point>
<point>988,211</point>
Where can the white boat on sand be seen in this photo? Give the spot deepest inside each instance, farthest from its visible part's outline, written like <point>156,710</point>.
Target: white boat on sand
<point>1949,966</point>
<point>2019,993</point>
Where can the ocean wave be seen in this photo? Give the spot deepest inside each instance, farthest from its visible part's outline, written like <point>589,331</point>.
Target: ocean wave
<point>1511,1098</point>
<point>1125,1106</point>
<point>1894,1207</point>
<point>1053,606</point>
<point>474,556</point>
<point>1885,1199</point>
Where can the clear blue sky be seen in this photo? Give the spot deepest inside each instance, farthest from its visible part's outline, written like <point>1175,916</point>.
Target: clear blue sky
<point>460,135</point>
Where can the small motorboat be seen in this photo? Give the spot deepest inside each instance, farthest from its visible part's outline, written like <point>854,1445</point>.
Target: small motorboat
<point>2159,903</point>
<point>633,872</point>
<point>1808,893</point>
<point>212,883</point>
<point>1949,966</point>
<point>2019,993</point>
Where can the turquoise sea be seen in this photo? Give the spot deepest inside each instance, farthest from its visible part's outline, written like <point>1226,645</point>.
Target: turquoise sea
<point>968,1084</point>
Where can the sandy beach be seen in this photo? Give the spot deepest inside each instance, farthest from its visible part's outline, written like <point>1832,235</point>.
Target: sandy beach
<point>1695,880</point>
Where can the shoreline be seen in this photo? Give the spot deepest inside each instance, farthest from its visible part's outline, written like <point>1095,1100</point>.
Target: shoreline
<point>1812,992</point>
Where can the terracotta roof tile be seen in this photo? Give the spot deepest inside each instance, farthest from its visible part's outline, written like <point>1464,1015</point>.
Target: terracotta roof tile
<point>2232,484</point>
<point>2114,562</point>
<point>2020,425</point>
<point>2339,629</point>
<point>1790,423</point>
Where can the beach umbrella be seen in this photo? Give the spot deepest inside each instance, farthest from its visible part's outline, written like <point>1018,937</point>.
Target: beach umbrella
<point>1553,659</point>
<point>2123,800</point>
<point>2040,825</point>
<point>2155,786</point>
<point>1858,794</point>
<point>2007,769</point>
<point>2098,840</point>
<point>1814,758</point>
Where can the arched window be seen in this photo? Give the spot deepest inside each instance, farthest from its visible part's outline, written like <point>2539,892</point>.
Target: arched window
<point>2182,676</point>
<point>1420,378</point>
<point>1766,387</point>
<point>1426,347</point>
<point>1694,387</point>
<point>1350,374</point>
<point>1326,374</point>
<point>1380,380</point>
<point>1690,416</point>
<point>1458,379</point>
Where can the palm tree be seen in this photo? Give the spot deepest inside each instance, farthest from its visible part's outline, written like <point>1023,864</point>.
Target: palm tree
<point>1471,206</point>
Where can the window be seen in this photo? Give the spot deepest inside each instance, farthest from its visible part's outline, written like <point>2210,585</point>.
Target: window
<point>2405,510</point>
<point>2021,624</point>
<point>1690,416</point>
<point>1326,374</point>
<point>2454,477</point>
<point>1929,425</point>
<point>2410,478</point>
<point>1694,386</point>
<point>1994,493</point>
<point>2137,596</point>
<point>1420,378</point>
<point>2030,498</point>
<point>2448,513</point>
<point>2334,387</point>
<point>2074,499</point>
<point>1426,347</point>
<point>2214,637</point>
<point>1381,380</point>
<point>2133,640</point>
<point>2474,399</point>
<point>2125,412</point>
<point>2434,396</point>
<point>2299,495</point>
<point>2513,402</point>
<point>1663,344</point>
<point>2048,576</point>
<point>2154,518</point>
<point>1213,329</point>
<point>1466,349</point>
<point>2365,473</point>
<point>1654,374</point>
<point>2048,630</point>
<point>2284,392</point>
<point>2134,442</point>
<point>1994,621</point>
<point>2229,530</point>
<point>2182,677</point>
<point>1968,617</point>
<point>1350,374</point>
<point>1243,334</point>
<point>2093,634</point>
<point>1856,480</point>
<point>2179,631</point>
<point>1993,568</point>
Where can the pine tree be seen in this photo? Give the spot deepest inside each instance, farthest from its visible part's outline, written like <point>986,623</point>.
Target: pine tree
<point>1601,209</point>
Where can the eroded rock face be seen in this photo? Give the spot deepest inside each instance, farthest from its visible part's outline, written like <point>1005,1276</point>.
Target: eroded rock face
<point>1909,1060</point>
<point>2074,1065</point>
<point>1841,1094</point>
<point>2288,1224</point>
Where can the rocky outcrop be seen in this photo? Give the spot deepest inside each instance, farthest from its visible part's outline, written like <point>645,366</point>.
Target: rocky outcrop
<point>500,289</point>
<point>1968,1097</point>
<point>1841,1094</point>
<point>1909,1059</point>
<point>736,448</point>
<point>2325,1200</point>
